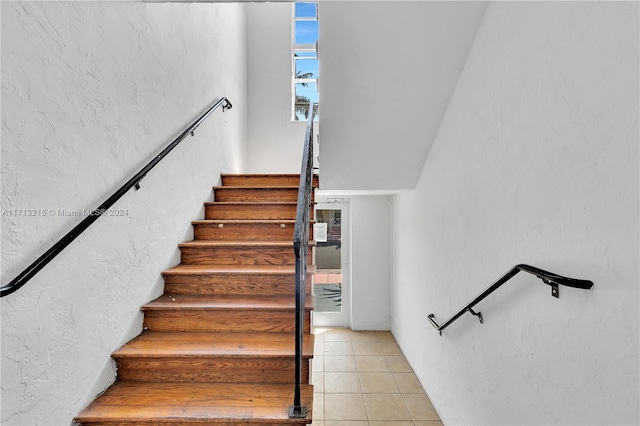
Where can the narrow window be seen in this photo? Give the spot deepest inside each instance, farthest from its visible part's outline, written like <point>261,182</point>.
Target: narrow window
<point>305,58</point>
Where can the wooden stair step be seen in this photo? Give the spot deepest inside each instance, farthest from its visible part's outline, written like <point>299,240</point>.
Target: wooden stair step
<point>136,403</point>
<point>238,302</point>
<point>218,348</point>
<point>212,357</point>
<point>256,193</point>
<point>264,180</point>
<point>241,313</point>
<point>245,230</point>
<point>202,252</point>
<point>152,344</point>
<point>251,210</point>
<point>233,279</point>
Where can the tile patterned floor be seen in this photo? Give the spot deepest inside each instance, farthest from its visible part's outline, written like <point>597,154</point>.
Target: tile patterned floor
<point>361,378</point>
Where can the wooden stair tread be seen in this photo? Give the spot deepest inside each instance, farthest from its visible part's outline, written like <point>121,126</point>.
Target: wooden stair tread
<point>266,176</point>
<point>255,187</point>
<point>190,344</point>
<point>204,403</point>
<point>234,269</point>
<point>212,302</point>
<point>245,221</point>
<point>257,203</point>
<point>218,347</point>
<point>242,243</point>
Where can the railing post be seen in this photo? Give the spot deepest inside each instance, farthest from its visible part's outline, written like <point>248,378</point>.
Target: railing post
<point>301,248</point>
<point>297,410</point>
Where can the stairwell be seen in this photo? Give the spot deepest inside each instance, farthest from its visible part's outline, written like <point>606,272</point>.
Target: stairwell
<point>218,345</point>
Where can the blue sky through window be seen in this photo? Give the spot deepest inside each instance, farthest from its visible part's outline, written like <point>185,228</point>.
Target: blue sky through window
<point>306,10</point>
<point>307,65</point>
<point>306,32</point>
<point>305,55</point>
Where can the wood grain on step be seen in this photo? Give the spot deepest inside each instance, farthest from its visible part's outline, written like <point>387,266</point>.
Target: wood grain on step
<point>252,194</point>
<point>238,253</point>
<point>187,344</point>
<point>211,369</point>
<point>251,211</point>
<point>264,180</point>
<point>165,422</point>
<point>219,344</point>
<point>238,302</point>
<point>245,230</point>
<point>204,403</point>
<point>214,357</point>
<point>199,269</point>
<point>272,321</point>
<point>234,279</point>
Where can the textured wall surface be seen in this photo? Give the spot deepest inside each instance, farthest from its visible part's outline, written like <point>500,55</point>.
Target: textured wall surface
<point>387,72</point>
<point>536,161</point>
<point>370,262</point>
<point>91,91</point>
<point>274,142</point>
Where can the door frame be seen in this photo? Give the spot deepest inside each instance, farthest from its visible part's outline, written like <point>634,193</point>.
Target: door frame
<point>342,318</point>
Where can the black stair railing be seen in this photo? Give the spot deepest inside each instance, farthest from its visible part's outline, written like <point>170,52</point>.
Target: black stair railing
<point>554,280</point>
<point>95,214</point>
<point>301,248</point>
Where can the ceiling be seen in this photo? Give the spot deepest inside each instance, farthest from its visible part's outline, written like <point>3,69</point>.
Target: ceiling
<point>387,72</point>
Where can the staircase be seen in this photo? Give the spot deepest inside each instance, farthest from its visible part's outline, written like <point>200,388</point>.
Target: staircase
<point>218,345</point>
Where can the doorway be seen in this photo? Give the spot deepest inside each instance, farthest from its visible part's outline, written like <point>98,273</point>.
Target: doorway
<point>331,281</point>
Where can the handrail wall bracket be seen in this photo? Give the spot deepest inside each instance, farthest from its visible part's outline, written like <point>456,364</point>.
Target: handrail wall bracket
<point>549,278</point>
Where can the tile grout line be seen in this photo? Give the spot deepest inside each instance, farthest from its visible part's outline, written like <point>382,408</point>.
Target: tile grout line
<point>358,371</point>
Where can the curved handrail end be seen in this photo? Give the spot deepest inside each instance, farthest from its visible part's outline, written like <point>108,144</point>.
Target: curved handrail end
<point>551,278</point>
<point>8,289</point>
<point>433,322</point>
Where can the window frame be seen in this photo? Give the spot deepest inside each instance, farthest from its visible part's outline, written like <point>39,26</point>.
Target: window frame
<point>301,48</point>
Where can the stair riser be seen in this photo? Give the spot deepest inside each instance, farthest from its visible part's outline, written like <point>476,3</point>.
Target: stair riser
<point>211,369</point>
<point>238,255</point>
<point>196,422</point>
<point>273,321</point>
<point>231,194</point>
<point>246,232</point>
<point>243,377</point>
<point>251,212</point>
<point>261,180</point>
<point>233,283</point>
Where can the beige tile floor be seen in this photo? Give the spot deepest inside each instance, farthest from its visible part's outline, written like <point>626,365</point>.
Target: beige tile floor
<point>361,378</point>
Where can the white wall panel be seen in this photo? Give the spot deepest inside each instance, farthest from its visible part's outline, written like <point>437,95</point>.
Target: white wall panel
<point>387,72</point>
<point>536,161</point>
<point>91,91</point>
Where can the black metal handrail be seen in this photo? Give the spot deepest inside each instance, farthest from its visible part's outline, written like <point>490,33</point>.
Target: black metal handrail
<point>50,254</point>
<point>554,280</point>
<point>301,247</point>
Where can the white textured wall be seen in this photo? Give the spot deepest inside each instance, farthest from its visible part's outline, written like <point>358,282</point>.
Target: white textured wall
<point>536,161</point>
<point>91,91</point>
<point>387,72</point>
<point>370,262</point>
<point>274,143</point>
